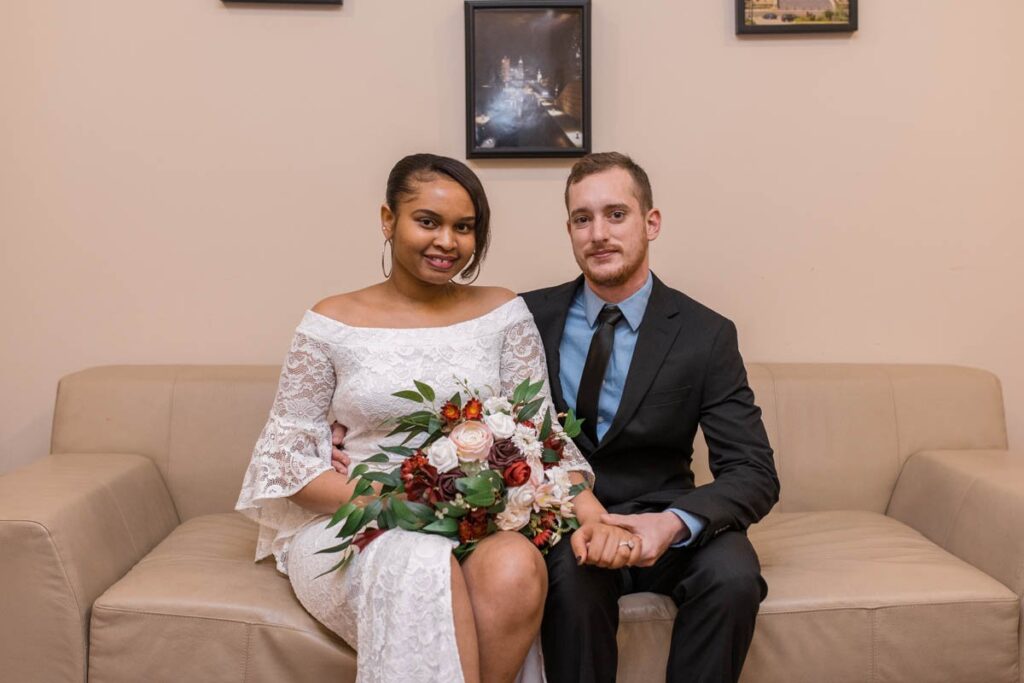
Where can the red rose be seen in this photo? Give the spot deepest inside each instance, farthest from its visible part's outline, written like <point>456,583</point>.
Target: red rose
<point>542,538</point>
<point>503,453</point>
<point>528,423</point>
<point>555,443</point>
<point>450,412</point>
<point>474,410</point>
<point>473,526</point>
<point>446,483</point>
<point>517,474</point>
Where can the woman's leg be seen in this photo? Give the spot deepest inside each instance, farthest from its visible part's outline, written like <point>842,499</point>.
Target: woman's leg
<point>507,582</point>
<point>465,626</point>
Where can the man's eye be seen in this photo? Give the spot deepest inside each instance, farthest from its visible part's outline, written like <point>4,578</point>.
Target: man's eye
<point>618,215</point>
<point>580,219</point>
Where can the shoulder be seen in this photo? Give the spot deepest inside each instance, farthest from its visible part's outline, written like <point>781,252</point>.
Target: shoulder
<point>489,298</point>
<point>537,297</point>
<point>348,306</point>
<point>696,315</point>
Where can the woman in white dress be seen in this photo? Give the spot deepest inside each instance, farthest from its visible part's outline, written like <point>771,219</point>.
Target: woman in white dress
<point>408,608</point>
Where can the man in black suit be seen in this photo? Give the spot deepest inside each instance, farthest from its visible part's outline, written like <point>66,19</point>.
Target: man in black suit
<point>645,365</point>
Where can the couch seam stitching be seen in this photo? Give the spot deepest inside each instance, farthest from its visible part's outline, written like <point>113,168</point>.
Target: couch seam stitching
<point>245,660</point>
<point>170,431</point>
<point>900,463</point>
<point>98,608</point>
<point>959,508</point>
<point>909,605</point>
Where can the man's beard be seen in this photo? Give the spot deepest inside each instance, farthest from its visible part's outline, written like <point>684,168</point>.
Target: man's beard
<point>614,278</point>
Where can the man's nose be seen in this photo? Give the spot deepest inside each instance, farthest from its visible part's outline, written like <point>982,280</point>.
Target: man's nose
<point>599,230</point>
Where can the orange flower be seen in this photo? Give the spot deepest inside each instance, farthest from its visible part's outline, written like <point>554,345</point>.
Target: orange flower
<point>450,412</point>
<point>474,410</point>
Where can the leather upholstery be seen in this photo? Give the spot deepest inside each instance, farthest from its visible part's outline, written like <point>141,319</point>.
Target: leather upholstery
<point>895,553</point>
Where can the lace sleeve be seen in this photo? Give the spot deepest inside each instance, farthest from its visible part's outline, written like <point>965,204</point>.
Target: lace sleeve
<point>295,445</point>
<point>522,357</point>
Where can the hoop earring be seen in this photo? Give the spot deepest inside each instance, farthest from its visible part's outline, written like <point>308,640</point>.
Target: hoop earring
<point>383,251</point>
<point>474,277</point>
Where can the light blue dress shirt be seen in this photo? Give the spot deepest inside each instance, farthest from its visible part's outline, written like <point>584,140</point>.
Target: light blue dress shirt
<point>580,326</point>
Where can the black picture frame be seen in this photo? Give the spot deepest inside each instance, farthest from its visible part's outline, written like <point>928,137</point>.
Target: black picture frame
<point>510,43</point>
<point>797,11</point>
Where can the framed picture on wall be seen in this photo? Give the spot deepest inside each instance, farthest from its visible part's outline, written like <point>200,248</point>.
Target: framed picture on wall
<point>796,16</point>
<point>527,78</point>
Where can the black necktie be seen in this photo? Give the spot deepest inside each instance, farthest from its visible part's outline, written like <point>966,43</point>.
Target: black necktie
<point>594,369</point>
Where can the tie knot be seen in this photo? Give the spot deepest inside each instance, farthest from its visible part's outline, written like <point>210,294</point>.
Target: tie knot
<point>609,315</point>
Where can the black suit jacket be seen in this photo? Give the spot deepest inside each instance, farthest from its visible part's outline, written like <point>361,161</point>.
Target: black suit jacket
<point>686,370</point>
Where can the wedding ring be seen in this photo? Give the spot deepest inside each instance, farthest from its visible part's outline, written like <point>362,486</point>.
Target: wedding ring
<point>628,544</point>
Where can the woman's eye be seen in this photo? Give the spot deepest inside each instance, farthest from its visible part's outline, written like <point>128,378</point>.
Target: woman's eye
<point>464,228</point>
<point>426,222</point>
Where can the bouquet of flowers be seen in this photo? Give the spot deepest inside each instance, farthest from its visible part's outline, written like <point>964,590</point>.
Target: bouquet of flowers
<point>483,465</point>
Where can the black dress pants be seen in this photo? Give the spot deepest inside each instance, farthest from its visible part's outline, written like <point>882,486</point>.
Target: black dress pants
<point>717,587</point>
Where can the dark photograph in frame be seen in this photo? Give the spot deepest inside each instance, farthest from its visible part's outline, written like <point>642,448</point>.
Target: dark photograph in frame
<point>796,16</point>
<point>527,78</point>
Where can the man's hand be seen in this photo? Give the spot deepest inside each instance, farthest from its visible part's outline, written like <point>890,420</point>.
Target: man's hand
<point>605,545</point>
<point>339,459</point>
<point>659,530</point>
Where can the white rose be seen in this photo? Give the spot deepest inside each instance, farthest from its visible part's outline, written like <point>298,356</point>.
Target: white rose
<point>560,478</point>
<point>513,519</point>
<point>501,425</point>
<point>497,404</point>
<point>443,454</point>
<point>520,497</point>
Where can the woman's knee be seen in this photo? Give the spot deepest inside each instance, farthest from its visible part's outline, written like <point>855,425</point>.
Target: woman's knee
<point>509,566</point>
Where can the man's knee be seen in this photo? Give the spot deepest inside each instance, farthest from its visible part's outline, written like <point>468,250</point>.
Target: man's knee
<point>733,580</point>
<point>580,590</point>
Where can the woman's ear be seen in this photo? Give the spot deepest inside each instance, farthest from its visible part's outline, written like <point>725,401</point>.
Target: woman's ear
<point>387,222</point>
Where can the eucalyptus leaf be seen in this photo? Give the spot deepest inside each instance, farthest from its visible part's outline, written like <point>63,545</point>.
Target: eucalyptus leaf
<point>341,514</point>
<point>378,458</point>
<point>352,523</point>
<point>442,526</point>
<point>335,548</point>
<point>530,409</point>
<point>408,395</point>
<point>426,390</point>
<point>403,451</point>
<point>420,510</point>
<point>545,427</point>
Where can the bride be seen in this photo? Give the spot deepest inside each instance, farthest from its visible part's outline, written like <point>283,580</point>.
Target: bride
<point>411,611</point>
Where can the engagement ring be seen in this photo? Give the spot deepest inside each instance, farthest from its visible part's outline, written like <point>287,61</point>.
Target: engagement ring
<point>628,544</point>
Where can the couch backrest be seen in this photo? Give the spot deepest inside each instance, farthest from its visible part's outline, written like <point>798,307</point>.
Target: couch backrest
<point>841,432</point>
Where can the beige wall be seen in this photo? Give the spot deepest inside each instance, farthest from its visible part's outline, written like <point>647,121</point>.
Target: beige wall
<point>179,180</point>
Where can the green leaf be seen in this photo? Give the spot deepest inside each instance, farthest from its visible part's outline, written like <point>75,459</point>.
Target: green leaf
<point>385,478</point>
<point>426,390</point>
<point>532,390</point>
<point>372,511</point>
<point>386,519</point>
<point>572,522</point>
<point>420,510</point>
<point>341,514</point>
<point>577,489</point>
<point>572,426</point>
<point>378,458</point>
<point>408,395</point>
<point>402,511</point>
<point>358,471</point>
<point>403,451</point>
<point>456,400</point>
<point>550,456</point>
<point>362,488</point>
<point>352,523</point>
<point>529,410</point>
<point>434,425</point>
<point>335,548</point>
<point>482,499</point>
<point>545,427</point>
<point>344,561</point>
<point>519,393</point>
<point>410,526</point>
<point>442,526</point>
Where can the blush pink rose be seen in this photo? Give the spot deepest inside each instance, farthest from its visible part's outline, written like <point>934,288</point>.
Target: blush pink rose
<point>473,440</point>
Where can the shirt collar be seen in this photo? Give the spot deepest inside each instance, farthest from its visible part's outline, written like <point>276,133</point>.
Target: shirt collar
<point>632,308</point>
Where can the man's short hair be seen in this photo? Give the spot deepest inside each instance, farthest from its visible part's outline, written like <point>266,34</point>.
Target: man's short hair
<point>604,161</point>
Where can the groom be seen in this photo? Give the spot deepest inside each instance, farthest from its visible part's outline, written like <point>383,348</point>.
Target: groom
<point>644,365</point>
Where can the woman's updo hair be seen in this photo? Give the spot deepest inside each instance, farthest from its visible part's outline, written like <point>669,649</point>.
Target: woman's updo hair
<point>425,167</point>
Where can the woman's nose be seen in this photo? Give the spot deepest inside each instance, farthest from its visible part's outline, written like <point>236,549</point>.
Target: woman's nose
<point>445,239</point>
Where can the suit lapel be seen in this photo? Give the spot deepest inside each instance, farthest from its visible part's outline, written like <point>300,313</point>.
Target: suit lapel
<point>660,326</point>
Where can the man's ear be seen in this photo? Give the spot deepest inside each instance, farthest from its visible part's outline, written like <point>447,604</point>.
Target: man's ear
<point>653,227</point>
<point>387,221</point>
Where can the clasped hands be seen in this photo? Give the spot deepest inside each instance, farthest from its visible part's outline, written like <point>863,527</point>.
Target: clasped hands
<point>614,541</point>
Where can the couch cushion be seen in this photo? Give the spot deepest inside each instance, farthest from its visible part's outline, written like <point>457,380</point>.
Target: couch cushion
<point>198,608</point>
<point>857,596</point>
<point>852,596</point>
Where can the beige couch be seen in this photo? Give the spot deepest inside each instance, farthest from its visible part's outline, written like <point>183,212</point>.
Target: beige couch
<point>895,554</point>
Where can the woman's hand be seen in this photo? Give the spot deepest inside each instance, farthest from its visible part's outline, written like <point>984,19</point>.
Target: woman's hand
<point>606,546</point>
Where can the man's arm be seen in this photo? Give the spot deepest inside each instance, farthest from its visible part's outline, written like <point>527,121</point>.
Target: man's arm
<point>745,485</point>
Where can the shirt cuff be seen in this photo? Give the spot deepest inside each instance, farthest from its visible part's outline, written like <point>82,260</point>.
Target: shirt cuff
<point>694,523</point>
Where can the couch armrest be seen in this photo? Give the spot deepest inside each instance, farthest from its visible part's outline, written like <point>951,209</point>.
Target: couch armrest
<point>971,503</point>
<point>70,526</point>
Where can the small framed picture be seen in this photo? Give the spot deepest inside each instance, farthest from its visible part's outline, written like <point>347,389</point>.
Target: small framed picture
<point>290,2</point>
<point>527,78</point>
<point>796,16</point>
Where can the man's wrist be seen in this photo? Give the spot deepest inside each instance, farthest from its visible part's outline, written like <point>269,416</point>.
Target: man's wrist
<point>680,531</point>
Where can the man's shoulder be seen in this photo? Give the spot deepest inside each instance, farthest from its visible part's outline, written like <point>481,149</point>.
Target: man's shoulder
<point>693,311</point>
<point>538,297</point>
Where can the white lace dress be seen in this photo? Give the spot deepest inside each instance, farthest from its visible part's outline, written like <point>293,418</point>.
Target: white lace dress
<point>392,604</point>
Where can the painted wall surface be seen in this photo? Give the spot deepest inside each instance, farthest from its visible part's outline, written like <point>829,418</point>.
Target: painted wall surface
<point>180,180</point>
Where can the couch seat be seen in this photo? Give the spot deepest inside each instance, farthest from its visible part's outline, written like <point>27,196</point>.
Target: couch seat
<point>197,608</point>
